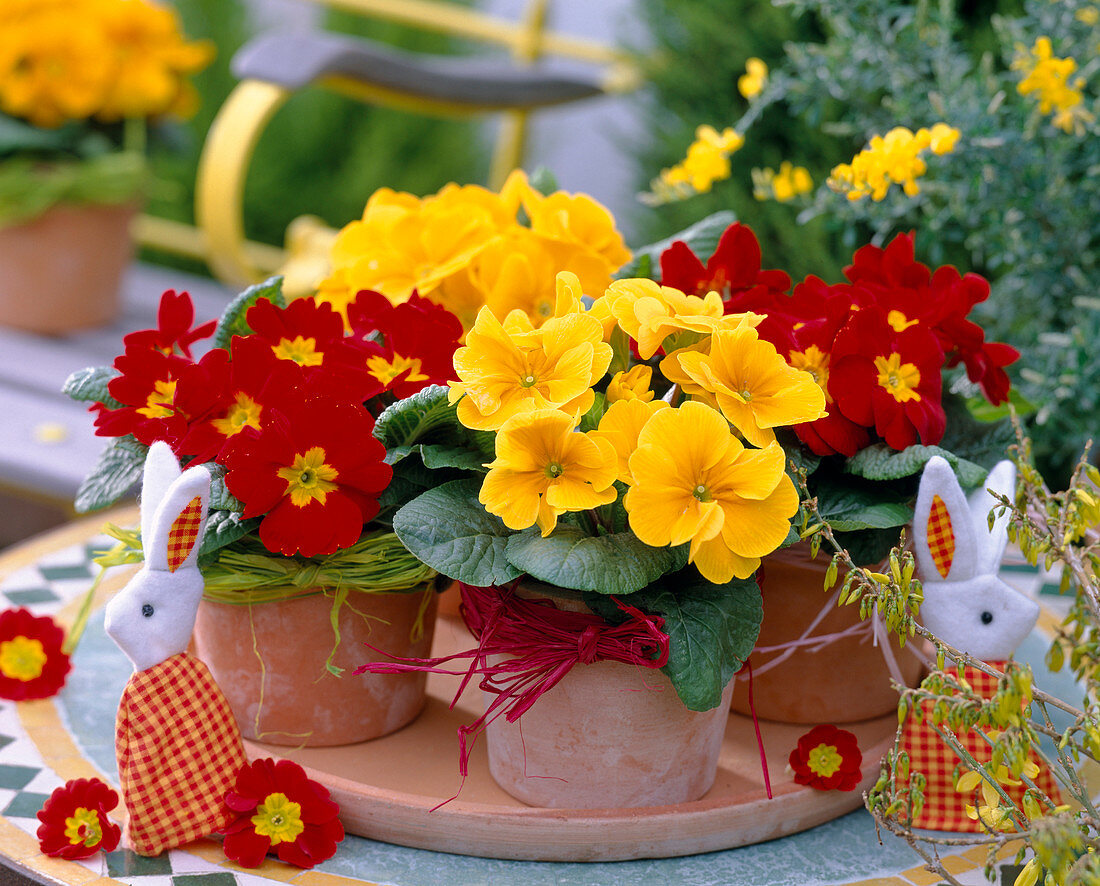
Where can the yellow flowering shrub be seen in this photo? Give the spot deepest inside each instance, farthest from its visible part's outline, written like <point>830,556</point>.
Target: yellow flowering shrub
<point>1048,79</point>
<point>64,60</point>
<point>895,158</point>
<point>465,247</point>
<point>707,162</point>
<point>786,184</point>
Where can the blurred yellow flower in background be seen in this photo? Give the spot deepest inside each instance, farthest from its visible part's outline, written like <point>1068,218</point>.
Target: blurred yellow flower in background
<point>752,82</point>
<point>788,183</point>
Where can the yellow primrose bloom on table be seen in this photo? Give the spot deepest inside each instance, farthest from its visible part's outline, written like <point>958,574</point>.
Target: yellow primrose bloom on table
<point>579,220</point>
<point>509,368</point>
<point>649,313</point>
<point>752,384</point>
<point>621,425</point>
<point>695,481</point>
<point>543,468</point>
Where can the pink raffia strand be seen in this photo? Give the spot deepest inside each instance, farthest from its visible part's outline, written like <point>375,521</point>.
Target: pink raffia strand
<point>525,646</point>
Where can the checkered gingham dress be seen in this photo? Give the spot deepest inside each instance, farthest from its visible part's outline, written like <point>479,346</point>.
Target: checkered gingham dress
<point>944,807</point>
<point>179,751</point>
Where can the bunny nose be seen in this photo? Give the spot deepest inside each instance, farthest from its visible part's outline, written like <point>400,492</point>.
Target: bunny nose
<point>987,617</point>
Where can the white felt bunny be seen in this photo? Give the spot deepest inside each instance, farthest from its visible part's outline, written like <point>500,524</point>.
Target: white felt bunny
<point>178,747</point>
<point>966,604</point>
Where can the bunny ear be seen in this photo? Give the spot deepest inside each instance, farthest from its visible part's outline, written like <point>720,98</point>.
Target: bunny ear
<point>176,533</point>
<point>161,471</point>
<point>942,530</point>
<point>1000,481</point>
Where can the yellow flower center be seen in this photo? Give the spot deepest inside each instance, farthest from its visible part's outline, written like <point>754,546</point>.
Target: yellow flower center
<point>528,381</point>
<point>244,413</point>
<point>900,379</point>
<point>309,478</point>
<point>302,351</point>
<point>701,493</point>
<point>278,818</point>
<point>159,402</point>
<point>824,760</point>
<point>746,394</point>
<point>22,658</point>
<point>554,470</point>
<point>816,362</point>
<point>386,371</point>
<point>84,827</point>
<point>899,321</point>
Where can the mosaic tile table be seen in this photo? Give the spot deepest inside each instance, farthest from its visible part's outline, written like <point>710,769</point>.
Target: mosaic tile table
<point>45,743</point>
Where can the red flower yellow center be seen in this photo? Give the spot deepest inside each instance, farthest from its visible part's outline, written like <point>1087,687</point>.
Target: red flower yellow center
<point>84,827</point>
<point>899,379</point>
<point>387,370</point>
<point>159,402</point>
<point>278,818</point>
<point>816,362</point>
<point>302,351</point>
<point>309,478</point>
<point>244,413</point>
<point>899,321</point>
<point>22,658</point>
<point>824,760</point>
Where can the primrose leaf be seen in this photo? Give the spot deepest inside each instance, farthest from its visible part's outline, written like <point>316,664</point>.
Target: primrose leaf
<point>702,237</point>
<point>851,504</point>
<point>119,468</point>
<point>617,563</point>
<point>449,529</point>
<point>232,321</point>
<point>879,462</point>
<point>90,385</point>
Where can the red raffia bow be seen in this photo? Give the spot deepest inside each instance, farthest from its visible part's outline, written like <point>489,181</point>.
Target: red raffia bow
<point>525,646</point>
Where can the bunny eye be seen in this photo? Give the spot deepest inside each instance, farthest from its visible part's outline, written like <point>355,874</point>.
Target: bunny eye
<point>147,610</point>
<point>987,618</point>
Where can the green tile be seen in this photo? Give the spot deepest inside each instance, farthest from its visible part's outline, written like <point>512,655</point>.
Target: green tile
<point>57,573</point>
<point>1018,567</point>
<point>124,863</point>
<point>31,595</point>
<point>5,740</point>
<point>1009,873</point>
<point>15,778</point>
<point>1050,588</point>
<point>25,805</point>
<point>219,878</point>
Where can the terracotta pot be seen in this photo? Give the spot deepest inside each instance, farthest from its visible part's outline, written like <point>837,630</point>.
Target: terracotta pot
<point>608,735</point>
<point>842,682</point>
<point>62,271</point>
<point>269,659</point>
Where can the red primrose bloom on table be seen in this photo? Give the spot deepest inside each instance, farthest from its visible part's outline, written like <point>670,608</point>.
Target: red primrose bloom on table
<point>828,759</point>
<point>74,820</point>
<point>280,809</point>
<point>32,661</point>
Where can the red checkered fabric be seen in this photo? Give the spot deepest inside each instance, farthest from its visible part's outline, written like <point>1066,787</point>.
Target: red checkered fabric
<point>184,533</point>
<point>179,751</point>
<point>944,807</point>
<point>941,537</point>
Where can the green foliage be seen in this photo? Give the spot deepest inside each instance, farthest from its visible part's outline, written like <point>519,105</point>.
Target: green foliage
<point>232,321</point>
<point>702,237</point>
<point>28,188</point>
<point>617,563</point>
<point>449,530</point>
<point>711,630</point>
<point>224,527</point>
<point>322,154</point>
<point>1014,202</point>
<point>850,505</point>
<point>879,462</point>
<point>119,468</point>
<point>89,385</point>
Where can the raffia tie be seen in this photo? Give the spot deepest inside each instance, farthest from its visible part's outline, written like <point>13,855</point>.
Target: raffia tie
<point>526,646</point>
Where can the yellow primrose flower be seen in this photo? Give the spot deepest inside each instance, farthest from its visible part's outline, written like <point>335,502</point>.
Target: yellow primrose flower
<point>508,368</point>
<point>402,243</point>
<point>649,313</point>
<point>578,220</point>
<point>517,270</point>
<point>752,82</point>
<point>694,481</point>
<point>543,468</point>
<point>633,384</point>
<point>753,385</point>
<point>621,425</point>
